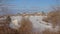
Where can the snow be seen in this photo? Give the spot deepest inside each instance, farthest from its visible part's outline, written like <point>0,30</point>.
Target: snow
<point>2,18</point>
<point>16,22</point>
<point>38,24</point>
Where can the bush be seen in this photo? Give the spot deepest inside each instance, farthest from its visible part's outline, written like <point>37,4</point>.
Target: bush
<point>26,26</point>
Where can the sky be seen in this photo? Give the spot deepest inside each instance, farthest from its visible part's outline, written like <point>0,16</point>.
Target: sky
<point>30,5</point>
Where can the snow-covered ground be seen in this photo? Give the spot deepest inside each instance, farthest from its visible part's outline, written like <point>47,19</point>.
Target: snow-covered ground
<point>2,18</point>
<point>15,22</point>
<point>38,24</point>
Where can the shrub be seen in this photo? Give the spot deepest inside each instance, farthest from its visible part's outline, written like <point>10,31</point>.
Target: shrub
<point>26,26</point>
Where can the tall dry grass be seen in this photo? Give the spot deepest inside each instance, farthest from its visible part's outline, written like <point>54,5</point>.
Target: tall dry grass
<point>53,17</point>
<point>47,31</point>
<point>26,26</point>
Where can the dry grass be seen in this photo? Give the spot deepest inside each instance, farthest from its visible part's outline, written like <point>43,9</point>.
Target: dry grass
<point>47,31</point>
<point>53,17</point>
<point>26,27</point>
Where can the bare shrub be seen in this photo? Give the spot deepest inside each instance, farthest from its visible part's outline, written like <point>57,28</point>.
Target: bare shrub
<point>26,27</point>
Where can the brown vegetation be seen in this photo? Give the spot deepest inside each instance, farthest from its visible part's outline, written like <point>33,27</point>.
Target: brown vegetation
<point>26,27</point>
<point>47,31</point>
<point>5,29</point>
<point>53,17</point>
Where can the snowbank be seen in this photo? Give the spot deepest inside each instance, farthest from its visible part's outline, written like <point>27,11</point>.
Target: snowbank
<point>38,24</point>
